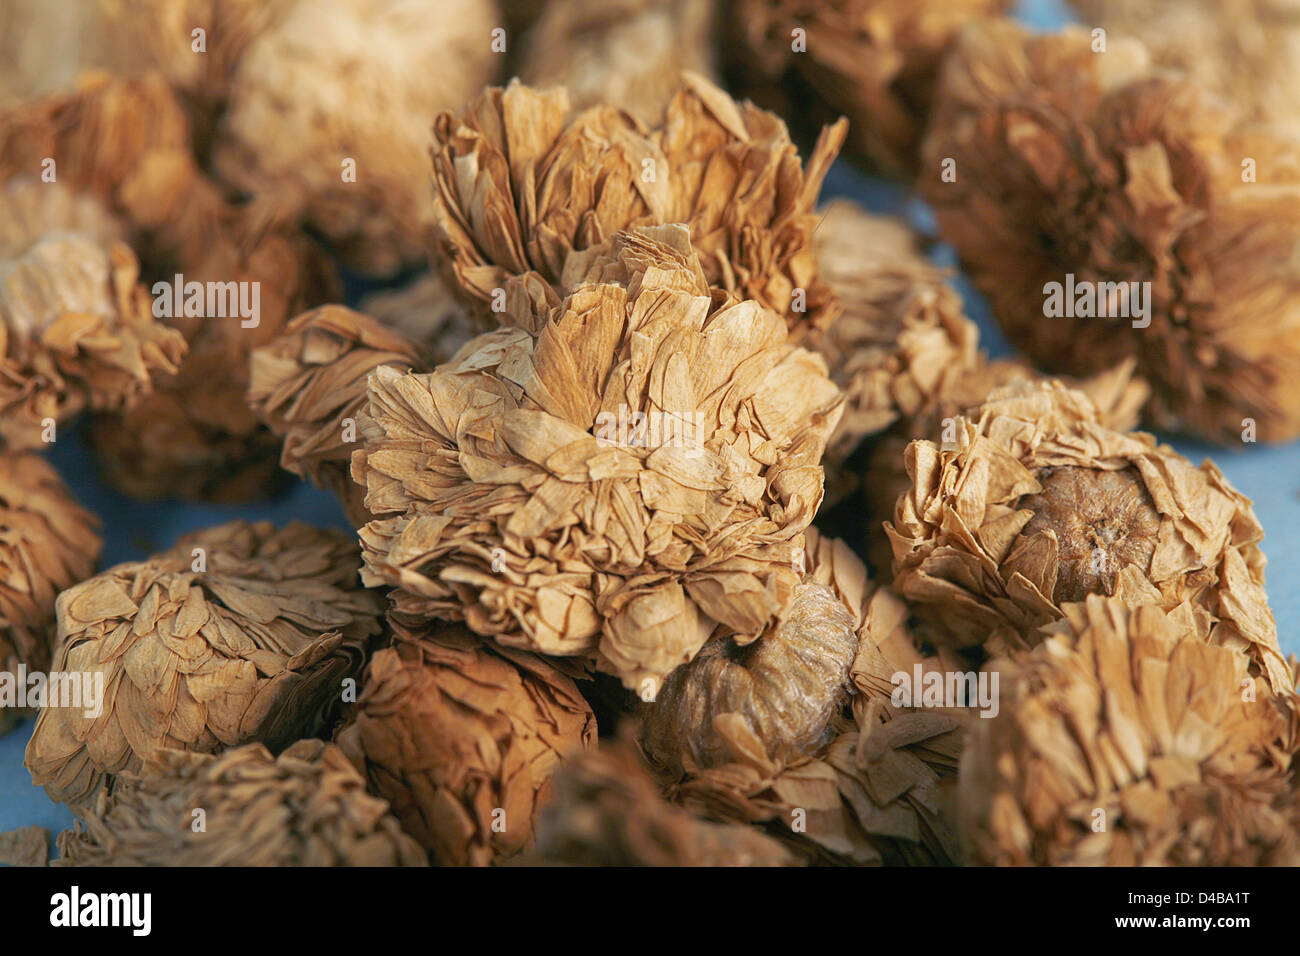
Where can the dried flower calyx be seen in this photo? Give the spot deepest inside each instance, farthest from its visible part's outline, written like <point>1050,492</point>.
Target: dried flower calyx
<point>306,807</point>
<point>508,494</point>
<point>462,737</point>
<point>1125,716</point>
<point>240,633</point>
<point>520,183</point>
<point>1037,503</point>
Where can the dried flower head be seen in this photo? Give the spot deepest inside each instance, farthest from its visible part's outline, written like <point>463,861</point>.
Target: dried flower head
<point>606,811</point>
<point>1109,211</point>
<point>76,330</point>
<point>462,736</point>
<point>521,182</point>
<point>1037,504</point>
<point>1126,717</point>
<point>874,61</point>
<point>306,807</point>
<point>26,846</point>
<point>627,53</point>
<point>239,633</point>
<point>633,477</point>
<point>428,312</point>
<point>357,173</point>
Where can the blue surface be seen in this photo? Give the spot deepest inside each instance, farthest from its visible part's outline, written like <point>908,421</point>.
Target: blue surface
<point>1270,475</point>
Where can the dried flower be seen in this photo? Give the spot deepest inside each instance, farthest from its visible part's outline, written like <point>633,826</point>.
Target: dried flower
<point>508,494</point>
<point>520,183</point>
<point>306,807</point>
<point>26,846</point>
<point>606,811</point>
<point>1126,717</point>
<point>428,312</point>
<point>627,53</point>
<point>874,61</point>
<point>239,633</point>
<point>1126,188</point>
<point>357,174</point>
<point>1037,503</point>
<point>75,329</point>
<point>462,737</point>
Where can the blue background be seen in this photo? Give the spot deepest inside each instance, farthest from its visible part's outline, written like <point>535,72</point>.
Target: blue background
<point>1270,475</point>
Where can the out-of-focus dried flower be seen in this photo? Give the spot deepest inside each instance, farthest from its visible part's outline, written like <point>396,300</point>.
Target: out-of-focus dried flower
<point>26,846</point>
<point>1125,716</point>
<point>631,479</point>
<point>462,736</point>
<point>627,53</point>
<point>76,330</point>
<point>330,109</point>
<point>606,811</point>
<point>1128,189</point>
<point>306,807</point>
<point>521,182</point>
<point>240,633</point>
<point>427,312</point>
<point>874,61</point>
<point>1037,503</point>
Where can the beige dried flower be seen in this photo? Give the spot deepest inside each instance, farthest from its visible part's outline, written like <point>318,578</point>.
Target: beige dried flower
<point>521,182</point>
<point>330,109</point>
<point>1131,191</point>
<point>26,846</point>
<point>1036,503</point>
<point>76,329</point>
<point>606,811</point>
<point>306,807</point>
<point>874,61</point>
<point>428,312</point>
<point>462,736</point>
<point>47,543</point>
<point>508,494</point>
<point>239,633</point>
<point>627,53</point>
<point>1126,717</point>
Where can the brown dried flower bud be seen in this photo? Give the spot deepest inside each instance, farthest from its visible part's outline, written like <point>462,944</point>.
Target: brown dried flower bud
<point>462,736</point>
<point>1037,503</point>
<point>239,633</point>
<point>76,330</point>
<point>306,807</point>
<point>1109,211</point>
<point>619,486</point>
<point>606,811</point>
<point>874,61</point>
<point>627,53</point>
<point>1126,740</point>
<point>359,176</point>
<point>521,182</point>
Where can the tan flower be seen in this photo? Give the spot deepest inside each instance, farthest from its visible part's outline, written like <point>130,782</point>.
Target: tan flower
<point>240,633</point>
<point>428,312</point>
<point>306,807</point>
<point>1126,740</point>
<point>1092,171</point>
<point>462,737</point>
<point>521,182</point>
<point>633,477</point>
<point>1037,503</point>
<point>874,61</point>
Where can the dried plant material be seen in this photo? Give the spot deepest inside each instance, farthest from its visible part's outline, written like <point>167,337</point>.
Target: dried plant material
<point>26,846</point>
<point>508,494</point>
<point>239,633</point>
<point>428,312</point>
<point>306,807</point>
<point>462,736</point>
<point>330,109</point>
<point>47,543</point>
<point>76,329</point>
<point>1126,718</point>
<point>521,182</point>
<point>1244,50</point>
<point>874,61</point>
<point>626,53</point>
<point>1037,503</point>
<point>606,811</point>
<point>1129,190</point>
